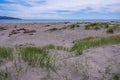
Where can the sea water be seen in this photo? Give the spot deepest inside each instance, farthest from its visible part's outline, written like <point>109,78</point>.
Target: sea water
<point>58,20</point>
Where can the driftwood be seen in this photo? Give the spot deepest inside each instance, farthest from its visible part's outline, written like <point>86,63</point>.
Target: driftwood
<point>21,29</point>
<point>2,28</point>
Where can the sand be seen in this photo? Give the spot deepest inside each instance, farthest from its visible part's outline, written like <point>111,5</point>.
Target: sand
<point>91,65</point>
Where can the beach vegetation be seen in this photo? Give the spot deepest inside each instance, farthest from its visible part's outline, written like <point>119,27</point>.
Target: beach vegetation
<point>5,53</point>
<point>48,47</point>
<point>52,29</point>
<point>72,26</point>
<point>38,57</point>
<point>62,48</point>
<point>116,76</point>
<point>63,28</point>
<point>110,30</point>
<point>4,75</point>
<point>92,42</point>
<point>51,46</point>
<point>97,26</point>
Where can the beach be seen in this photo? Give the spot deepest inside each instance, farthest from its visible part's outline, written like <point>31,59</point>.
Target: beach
<point>97,63</point>
<point>42,37</point>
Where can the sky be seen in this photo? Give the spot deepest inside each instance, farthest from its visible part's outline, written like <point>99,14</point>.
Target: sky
<point>61,9</point>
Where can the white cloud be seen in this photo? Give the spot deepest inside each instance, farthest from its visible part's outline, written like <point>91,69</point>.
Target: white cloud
<point>36,8</point>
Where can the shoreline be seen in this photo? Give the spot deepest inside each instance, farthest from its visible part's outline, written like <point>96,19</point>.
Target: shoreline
<point>58,20</point>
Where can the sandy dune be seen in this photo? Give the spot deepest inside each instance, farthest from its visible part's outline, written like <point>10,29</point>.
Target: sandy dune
<point>95,64</point>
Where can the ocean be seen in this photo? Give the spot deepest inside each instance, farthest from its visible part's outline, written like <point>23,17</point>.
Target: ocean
<point>58,20</point>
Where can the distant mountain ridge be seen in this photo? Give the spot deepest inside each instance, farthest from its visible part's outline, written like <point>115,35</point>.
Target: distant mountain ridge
<point>10,18</point>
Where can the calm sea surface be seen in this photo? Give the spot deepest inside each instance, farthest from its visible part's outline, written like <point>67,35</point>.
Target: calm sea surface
<point>59,20</point>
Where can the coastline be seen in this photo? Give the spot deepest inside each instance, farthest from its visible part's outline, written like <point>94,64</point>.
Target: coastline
<point>57,20</point>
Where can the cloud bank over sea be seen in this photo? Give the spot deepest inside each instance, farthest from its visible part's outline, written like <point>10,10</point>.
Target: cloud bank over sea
<point>61,9</point>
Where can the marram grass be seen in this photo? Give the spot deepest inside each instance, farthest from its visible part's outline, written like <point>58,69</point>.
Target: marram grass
<point>72,26</point>
<point>5,53</point>
<point>97,25</point>
<point>91,42</point>
<point>116,76</point>
<point>38,57</point>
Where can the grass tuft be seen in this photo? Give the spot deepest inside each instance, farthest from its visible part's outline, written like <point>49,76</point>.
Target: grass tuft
<point>4,75</point>
<point>38,57</point>
<point>73,26</point>
<point>97,26</point>
<point>91,42</point>
<point>110,30</point>
<point>49,46</point>
<point>5,53</point>
<point>117,76</point>
<point>52,29</point>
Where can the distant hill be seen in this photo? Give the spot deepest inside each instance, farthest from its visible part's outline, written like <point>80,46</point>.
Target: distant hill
<point>10,18</point>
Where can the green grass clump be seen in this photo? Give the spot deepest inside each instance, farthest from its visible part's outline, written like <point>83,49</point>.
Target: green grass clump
<point>5,53</point>
<point>63,28</point>
<point>1,61</point>
<point>97,26</point>
<point>4,75</point>
<point>49,46</point>
<point>61,48</point>
<point>91,42</point>
<point>37,57</point>
<point>52,29</point>
<point>87,27</point>
<point>116,76</point>
<point>72,26</point>
<point>110,30</point>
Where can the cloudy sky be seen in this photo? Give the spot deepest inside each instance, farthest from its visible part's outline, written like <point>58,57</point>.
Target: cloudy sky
<point>61,9</point>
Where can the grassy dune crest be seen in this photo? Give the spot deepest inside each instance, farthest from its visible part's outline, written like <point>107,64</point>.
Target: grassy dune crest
<point>91,42</point>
